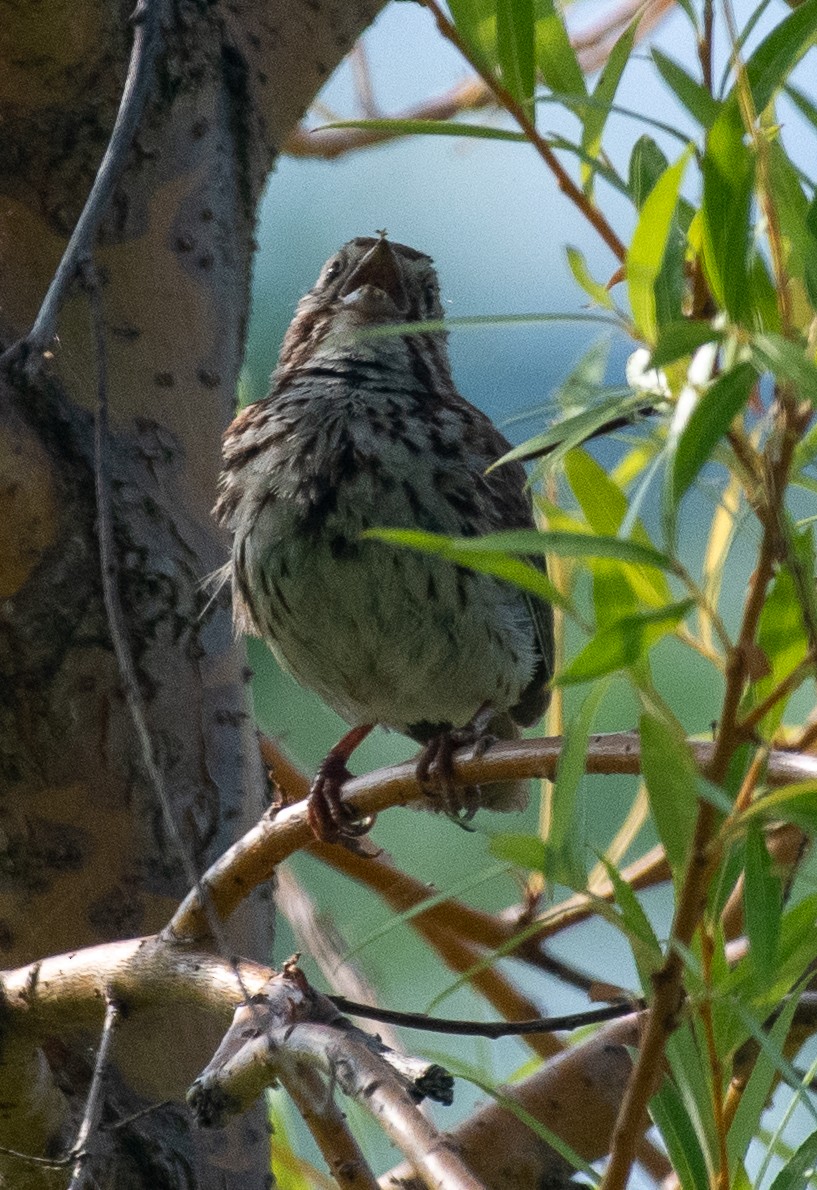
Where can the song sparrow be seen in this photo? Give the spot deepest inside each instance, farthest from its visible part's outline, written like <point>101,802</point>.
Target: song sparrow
<point>362,432</point>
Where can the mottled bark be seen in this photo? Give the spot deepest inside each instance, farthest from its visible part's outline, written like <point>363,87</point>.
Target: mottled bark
<point>84,855</point>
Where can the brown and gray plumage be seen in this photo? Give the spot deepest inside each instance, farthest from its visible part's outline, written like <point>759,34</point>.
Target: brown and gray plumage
<point>359,433</point>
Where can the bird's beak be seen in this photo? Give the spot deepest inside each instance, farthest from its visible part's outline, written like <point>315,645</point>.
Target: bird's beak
<point>379,269</point>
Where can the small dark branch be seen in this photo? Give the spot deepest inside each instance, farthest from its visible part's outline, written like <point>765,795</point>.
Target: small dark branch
<point>705,44</point>
<point>490,1029</point>
<point>145,20</point>
<point>93,1105</point>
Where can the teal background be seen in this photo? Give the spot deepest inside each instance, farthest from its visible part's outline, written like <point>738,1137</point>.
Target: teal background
<point>496,225</point>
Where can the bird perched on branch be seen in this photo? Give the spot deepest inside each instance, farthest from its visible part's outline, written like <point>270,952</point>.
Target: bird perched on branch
<point>363,431</point>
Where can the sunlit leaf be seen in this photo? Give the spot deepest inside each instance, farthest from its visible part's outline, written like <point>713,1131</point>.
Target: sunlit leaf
<point>594,289</point>
<point>780,51</point>
<point>649,244</point>
<point>524,851</point>
<point>526,541</point>
<point>595,117</point>
<point>623,643</point>
<point>555,56</point>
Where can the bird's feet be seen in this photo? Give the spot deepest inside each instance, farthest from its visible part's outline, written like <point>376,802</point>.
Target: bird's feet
<point>435,768</point>
<point>329,818</point>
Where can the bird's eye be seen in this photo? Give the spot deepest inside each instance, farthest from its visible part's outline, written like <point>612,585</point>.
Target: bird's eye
<point>332,270</point>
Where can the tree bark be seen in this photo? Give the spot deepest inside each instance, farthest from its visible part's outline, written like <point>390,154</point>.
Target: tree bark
<point>84,852</point>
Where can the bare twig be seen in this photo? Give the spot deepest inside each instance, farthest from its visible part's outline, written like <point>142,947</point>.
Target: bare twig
<point>347,1059</point>
<point>93,1104</point>
<point>146,26</point>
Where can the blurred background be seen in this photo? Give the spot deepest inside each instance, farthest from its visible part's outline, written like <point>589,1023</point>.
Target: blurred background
<point>493,220</point>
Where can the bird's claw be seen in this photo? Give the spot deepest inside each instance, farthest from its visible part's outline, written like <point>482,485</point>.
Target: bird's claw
<point>330,819</point>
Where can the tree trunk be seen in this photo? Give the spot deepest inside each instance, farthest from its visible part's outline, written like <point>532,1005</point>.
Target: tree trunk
<point>84,852</point>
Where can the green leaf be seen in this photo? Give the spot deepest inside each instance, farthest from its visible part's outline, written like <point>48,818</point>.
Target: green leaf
<point>594,289</point>
<point>643,942</point>
<point>794,1174</point>
<point>525,541</point>
<point>555,56</point>
<point>515,48</point>
<point>798,218</point>
<point>595,117</point>
<point>677,340</point>
<point>678,1134</point>
<point>795,803</point>
<point>717,408</point>
<point>783,641</point>
<point>475,21</point>
<point>648,246</point>
<point>431,128</point>
<point>779,52</point>
<point>571,432</point>
<point>754,1099</point>
<point>566,837</point>
<point>671,778</point>
<point>488,555</point>
<point>647,164</point>
<point>524,851</point>
<point>762,903</point>
<point>623,643</point>
<point>728,175</point>
<point>786,361</point>
<point>615,591</point>
<point>692,94</point>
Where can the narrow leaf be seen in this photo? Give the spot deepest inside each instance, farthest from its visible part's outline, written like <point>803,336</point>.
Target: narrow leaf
<point>672,784</point>
<point>692,94</point>
<point>647,164</point>
<point>728,174</point>
<point>555,56</point>
<point>787,361</point>
<point>649,244</point>
<point>677,340</point>
<point>594,289</point>
<point>625,642</point>
<point>780,51</point>
<point>794,1174</point>
<point>717,408</point>
<point>763,904</point>
<point>595,117</point>
<point>514,28</point>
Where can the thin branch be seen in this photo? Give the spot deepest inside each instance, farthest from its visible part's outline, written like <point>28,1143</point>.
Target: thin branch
<point>93,1104</point>
<point>146,35</point>
<point>491,1029</point>
<point>563,179</point>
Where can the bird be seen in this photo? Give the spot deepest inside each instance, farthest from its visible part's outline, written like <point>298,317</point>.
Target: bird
<point>364,428</point>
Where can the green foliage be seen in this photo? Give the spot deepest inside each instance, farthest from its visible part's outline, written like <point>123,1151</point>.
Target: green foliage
<point>717,289</point>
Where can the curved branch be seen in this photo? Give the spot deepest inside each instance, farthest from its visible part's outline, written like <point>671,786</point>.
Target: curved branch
<point>254,857</point>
